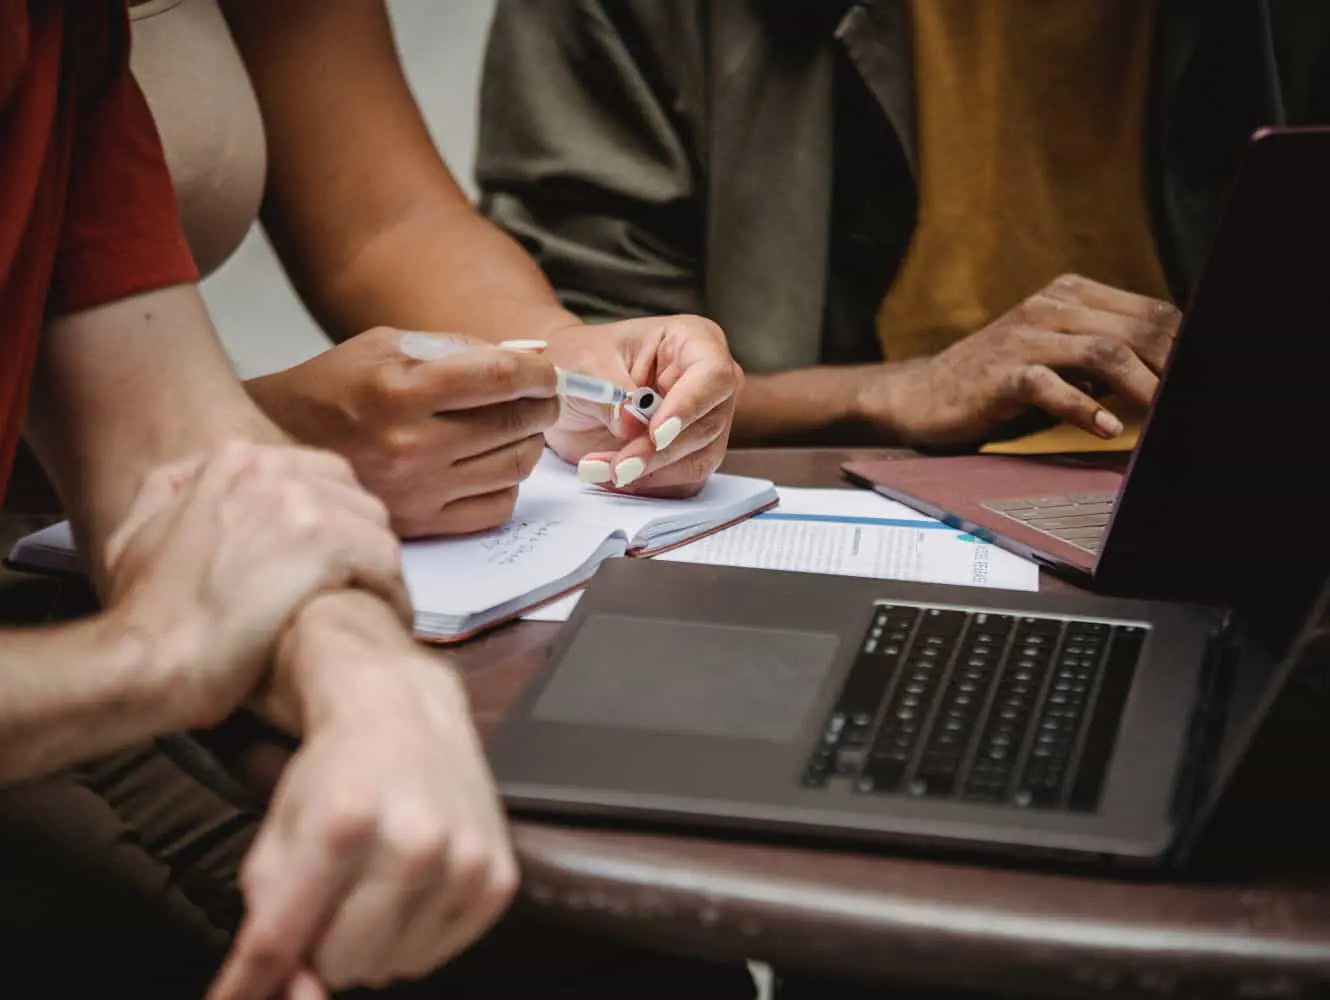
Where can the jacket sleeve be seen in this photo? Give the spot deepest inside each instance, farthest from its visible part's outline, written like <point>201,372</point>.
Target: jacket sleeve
<point>1301,37</point>
<point>590,149</point>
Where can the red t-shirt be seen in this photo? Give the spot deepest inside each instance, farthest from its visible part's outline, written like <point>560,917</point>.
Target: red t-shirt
<point>87,214</point>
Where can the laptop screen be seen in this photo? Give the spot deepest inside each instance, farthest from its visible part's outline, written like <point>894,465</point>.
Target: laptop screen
<point>1227,492</point>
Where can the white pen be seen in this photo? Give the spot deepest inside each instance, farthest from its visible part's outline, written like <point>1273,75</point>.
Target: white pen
<point>575,385</point>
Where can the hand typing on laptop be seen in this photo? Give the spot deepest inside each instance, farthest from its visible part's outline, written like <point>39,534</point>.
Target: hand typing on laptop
<point>1072,335</point>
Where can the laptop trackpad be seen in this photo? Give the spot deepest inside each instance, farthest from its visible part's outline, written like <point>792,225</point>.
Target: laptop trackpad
<point>688,678</point>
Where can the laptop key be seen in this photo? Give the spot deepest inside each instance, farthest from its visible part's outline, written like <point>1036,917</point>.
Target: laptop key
<point>1070,520</point>
<point>937,622</point>
<point>883,774</point>
<point>1103,508</point>
<point>1037,626</point>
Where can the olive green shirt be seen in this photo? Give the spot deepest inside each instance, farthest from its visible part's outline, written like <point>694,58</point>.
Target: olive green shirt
<point>756,161</point>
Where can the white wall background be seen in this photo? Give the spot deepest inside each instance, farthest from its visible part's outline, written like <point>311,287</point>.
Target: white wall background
<point>261,321</point>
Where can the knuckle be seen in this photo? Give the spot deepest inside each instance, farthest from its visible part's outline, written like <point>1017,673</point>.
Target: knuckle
<point>384,380</point>
<point>708,326</point>
<point>505,880</point>
<point>1038,307</point>
<point>528,455</point>
<point>474,514</point>
<point>391,549</point>
<point>378,511</point>
<point>419,845</point>
<point>488,871</point>
<point>254,872</point>
<point>157,480</point>
<point>513,465</point>
<point>711,427</point>
<point>1156,339</point>
<point>503,368</point>
<point>268,948</point>
<point>1167,312</point>
<point>698,466</point>
<point>1069,282</point>
<point>1106,353</point>
<point>471,863</point>
<point>339,466</point>
<point>235,456</point>
<point>1028,310</point>
<point>299,508</point>
<point>347,827</point>
<point>399,443</point>
<point>513,419</point>
<point>1028,380</point>
<point>547,412</point>
<point>503,505</point>
<point>273,459</point>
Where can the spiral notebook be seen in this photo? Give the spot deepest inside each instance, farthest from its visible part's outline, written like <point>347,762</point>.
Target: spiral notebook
<point>560,532</point>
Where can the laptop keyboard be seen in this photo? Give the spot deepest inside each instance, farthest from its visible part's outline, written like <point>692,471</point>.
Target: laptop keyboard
<point>1080,520</point>
<point>983,707</point>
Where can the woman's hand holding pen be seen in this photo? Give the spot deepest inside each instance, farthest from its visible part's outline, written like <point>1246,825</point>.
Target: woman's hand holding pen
<point>687,360</point>
<point>444,443</point>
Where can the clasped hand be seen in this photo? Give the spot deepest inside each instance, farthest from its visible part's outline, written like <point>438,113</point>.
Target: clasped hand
<point>384,850</point>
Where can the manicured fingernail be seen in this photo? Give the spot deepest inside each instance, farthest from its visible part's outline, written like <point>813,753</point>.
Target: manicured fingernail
<point>591,470</point>
<point>524,345</point>
<point>629,470</point>
<point>667,432</point>
<point>1107,424</point>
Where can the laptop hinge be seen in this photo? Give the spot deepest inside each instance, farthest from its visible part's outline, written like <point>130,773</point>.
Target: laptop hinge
<point>1204,732</point>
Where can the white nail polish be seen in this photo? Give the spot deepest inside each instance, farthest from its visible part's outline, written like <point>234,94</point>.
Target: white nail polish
<point>591,470</point>
<point>524,345</point>
<point>1109,425</point>
<point>628,471</point>
<point>667,432</point>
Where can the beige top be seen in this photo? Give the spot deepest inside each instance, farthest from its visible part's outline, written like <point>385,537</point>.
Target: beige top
<point>185,60</point>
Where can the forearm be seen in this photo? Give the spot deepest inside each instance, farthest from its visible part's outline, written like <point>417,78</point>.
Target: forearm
<point>76,691</point>
<point>368,219</point>
<point>819,403</point>
<point>443,268</point>
<point>124,388</point>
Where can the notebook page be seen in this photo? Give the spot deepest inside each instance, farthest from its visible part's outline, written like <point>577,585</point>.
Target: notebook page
<point>474,574</point>
<point>856,533</point>
<point>554,492</point>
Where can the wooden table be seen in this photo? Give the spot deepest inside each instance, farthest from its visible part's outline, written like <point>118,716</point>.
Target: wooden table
<point>1252,918</point>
